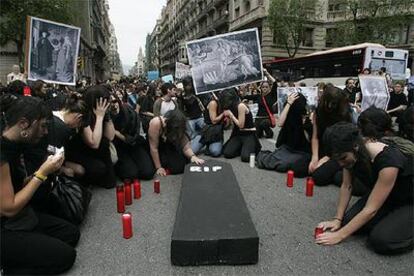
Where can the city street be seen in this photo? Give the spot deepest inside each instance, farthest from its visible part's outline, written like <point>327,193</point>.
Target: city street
<point>284,218</point>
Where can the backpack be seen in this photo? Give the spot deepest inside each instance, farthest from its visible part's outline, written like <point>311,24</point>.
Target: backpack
<point>404,145</point>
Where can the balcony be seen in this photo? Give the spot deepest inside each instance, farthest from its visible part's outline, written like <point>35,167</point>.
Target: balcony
<point>252,15</point>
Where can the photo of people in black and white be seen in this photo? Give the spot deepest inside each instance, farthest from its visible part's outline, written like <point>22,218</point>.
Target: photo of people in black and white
<point>225,60</point>
<point>374,92</point>
<point>310,93</point>
<point>53,49</point>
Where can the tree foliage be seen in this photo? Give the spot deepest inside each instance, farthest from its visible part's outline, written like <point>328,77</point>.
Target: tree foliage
<point>287,20</point>
<point>374,21</point>
<point>13,15</point>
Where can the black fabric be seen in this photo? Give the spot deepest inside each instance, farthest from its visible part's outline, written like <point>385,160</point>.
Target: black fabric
<point>390,231</point>
<point>404,184</point>
<point>212,133</point>
<point>128,123</point>
<point>191,107</point>
<point>271,99</point>
<point>395,101</point>
<point>293,130</point>
<point>171,157</point>
<point>351,95</point>
<point>48,249</point>
<point>248,121</point>
<point>284,159</point>
<point>326,173</point>
<point>134,161</point>
<point>68,199</point>
<point>242,144</point>
<point>98,165</point>
<point>146,103</point>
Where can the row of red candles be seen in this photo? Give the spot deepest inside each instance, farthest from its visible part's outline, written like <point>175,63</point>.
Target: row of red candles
<point>309,192</point>
<point>124,197</point>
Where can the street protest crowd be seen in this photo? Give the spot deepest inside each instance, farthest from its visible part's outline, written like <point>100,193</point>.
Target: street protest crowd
<point>136,129</point>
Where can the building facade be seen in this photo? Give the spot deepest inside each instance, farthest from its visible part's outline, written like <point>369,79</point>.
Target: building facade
<point>185,20</point>
<point>93,63</point>
<point>114,60</point>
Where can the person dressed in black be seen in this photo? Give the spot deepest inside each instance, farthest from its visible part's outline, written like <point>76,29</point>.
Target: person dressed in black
<point>45,50</point>
<point>243,140</point>
<point>145,106</point>
<point>134,160</point>
<point>266,99</point>
<point>91,147</point>
<point>293,150</point>
<point>193,109</point>
<point>333,107</point>
<point>170,146</point>
<point>212,134</point>
<point>386,212</point>
<point>398,102</point>
<point>31,242</point>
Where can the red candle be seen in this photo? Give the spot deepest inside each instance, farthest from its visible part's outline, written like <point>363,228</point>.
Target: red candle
<point>290,175</point>
<point>137,189</point>
<point>318,231</point>
<point>128,192</point>
<point>127,225</point>
<point>309,186</point>
<point>167,171</point>
<point>157,186</point>
<point>120,198</point>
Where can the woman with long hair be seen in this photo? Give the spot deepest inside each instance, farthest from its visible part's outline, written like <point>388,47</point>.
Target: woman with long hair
<point>333,107</point>
<point>385,214</point>
<point>170,146</point>
<point>134,160</point>
<point>243,140</point>
<point>31,242</point>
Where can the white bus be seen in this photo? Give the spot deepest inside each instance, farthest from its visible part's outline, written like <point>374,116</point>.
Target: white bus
<point>338,64</point>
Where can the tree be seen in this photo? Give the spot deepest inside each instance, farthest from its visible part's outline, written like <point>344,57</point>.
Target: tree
<point>372,21</point>
<point>13,18</point>
<point>287,20</point>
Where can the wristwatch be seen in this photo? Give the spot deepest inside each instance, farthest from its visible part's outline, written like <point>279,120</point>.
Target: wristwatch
<point>40,176</point>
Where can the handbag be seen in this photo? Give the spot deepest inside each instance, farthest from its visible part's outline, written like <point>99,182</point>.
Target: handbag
<point>69,199</point>
<point>270,114</point>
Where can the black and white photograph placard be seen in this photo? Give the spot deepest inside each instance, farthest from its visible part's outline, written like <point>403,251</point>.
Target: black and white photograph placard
<point>225,60</point>
<point>53,51</point>
<point>374,91</point>
<point>310,93</point>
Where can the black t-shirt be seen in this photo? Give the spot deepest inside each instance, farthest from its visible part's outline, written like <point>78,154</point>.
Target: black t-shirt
<point>351,95</point>
<point>390,156</point>
<point>191,107</point>
<point>395,101</point>
<point>146,104</point>
<point>270,98</point>
<point>11,153</point>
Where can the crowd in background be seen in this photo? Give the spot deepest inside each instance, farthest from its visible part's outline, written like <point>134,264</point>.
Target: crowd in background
<point>135,129</point>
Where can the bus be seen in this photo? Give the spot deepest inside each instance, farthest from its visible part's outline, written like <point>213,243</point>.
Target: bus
<point>338,64</point>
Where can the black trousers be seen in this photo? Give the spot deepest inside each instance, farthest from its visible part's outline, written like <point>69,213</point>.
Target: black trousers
<point>242,144</point>
<point>99,169</point>
<point>172,158</point>
<point>48,249</point>
<point>327,174</point>
<point>263,125</point>
<point>390,231</point>
<point>134,162</point>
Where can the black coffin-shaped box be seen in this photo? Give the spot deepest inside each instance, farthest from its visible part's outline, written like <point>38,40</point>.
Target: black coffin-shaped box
<point>212,223</point>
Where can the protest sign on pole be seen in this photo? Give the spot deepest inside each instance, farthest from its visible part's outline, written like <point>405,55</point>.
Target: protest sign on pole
<point>52,51</point>
<point>225,60</point>
<point>374,91</point>
<point>310,93</point>
<point>182,70</point>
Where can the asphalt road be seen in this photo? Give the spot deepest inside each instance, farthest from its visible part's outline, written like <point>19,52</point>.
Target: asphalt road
<point>284,218</point>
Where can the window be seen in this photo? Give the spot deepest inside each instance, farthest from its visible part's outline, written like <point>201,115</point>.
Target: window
<point>237,12</point>
<point>246,6</point>
<point>330,37</point>
<point>308,37</point>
